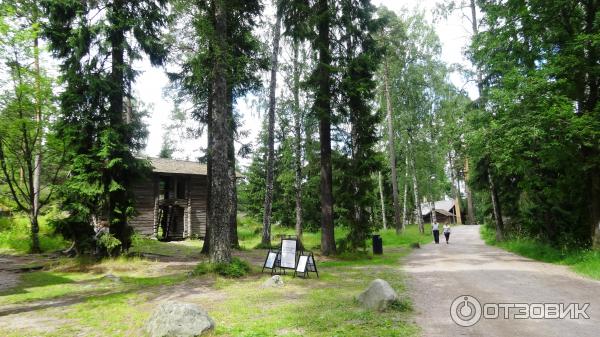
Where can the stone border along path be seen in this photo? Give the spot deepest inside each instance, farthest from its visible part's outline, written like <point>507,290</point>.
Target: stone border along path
<point>437,274</point>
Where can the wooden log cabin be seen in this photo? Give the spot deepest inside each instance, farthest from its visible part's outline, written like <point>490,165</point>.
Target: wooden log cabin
<point>172,204</point>
<point>445,211</point>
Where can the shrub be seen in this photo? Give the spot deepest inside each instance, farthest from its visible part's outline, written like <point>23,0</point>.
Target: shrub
<point>109,242</point>
<point>402,304</point>
<point>237,268</point>
<point>202,268</point>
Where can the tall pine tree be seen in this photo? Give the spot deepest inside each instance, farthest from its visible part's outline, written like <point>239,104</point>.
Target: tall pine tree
<point>208,58</point>
<point>97,43</point>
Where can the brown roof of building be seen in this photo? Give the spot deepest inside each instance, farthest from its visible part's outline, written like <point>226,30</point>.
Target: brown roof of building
<point>445,205</point>
<point>174,166</point>
<point>441,211</point>
<point>161,165</point>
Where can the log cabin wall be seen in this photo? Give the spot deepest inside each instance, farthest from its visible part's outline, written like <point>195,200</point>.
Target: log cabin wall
<point>144,193</point>
<point>186,191</point>
<point>198,197</point>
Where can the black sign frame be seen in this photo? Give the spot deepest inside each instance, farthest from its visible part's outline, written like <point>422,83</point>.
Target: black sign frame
<point>277,268</point>
<point>276,261</point>
<point>309,267</point>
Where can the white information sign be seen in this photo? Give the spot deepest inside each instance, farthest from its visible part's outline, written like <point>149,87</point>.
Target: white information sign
<point>302,264</point>
<point>288,254</point>
<point>270,260</point>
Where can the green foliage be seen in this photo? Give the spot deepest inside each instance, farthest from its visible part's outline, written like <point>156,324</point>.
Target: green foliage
<point>403,305</point>
<point>31,154</point>
<point>109,242</point>
<point>359,61</point>
<point>356,60</point>
<point>15,236</point>
<point>101,123</point>
<point>236,269</point>
<point>427,110</point>
<point>194,80</point>
<point>536,128</point>
<point>202,268</point>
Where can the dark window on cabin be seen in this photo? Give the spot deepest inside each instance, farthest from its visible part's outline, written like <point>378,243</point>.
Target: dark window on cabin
<point>164,188</point>
<point>181,188</point>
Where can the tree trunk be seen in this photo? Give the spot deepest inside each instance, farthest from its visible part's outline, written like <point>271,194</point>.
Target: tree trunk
<point>405,200</point>
<point>266,233</point>
<point>220,184</point>
<point>383,219</point>
<point>117,41</point>
<point>37,148</point>
<point>496,207</point>
<point>233,234</point>
<point>117,220</point>
<point>35,229</point>
<point>298,143</point>
<point>209,112</point>
<point>470,208</point>
<point>392,151</point>
<point>455,190</point>
<point>418,214</point>
<point>323,109</point>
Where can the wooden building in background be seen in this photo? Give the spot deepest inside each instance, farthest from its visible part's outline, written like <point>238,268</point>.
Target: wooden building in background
<point>445,212</point>
<point>172,204</point>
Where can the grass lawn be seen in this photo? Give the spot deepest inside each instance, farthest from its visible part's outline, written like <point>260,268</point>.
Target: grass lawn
<point>584,262</point>
<point>72,297</point>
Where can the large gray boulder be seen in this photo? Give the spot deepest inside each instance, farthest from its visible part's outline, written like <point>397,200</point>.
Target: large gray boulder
<point>378,296</point>
<point>177,319</point>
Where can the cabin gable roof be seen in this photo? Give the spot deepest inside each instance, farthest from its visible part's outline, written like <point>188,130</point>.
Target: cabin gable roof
<point>173,166</point>
<point>444,205</point>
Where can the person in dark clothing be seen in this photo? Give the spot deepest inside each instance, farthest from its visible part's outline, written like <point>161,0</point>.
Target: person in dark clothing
<point>447,232</point>
<point>436,232</point>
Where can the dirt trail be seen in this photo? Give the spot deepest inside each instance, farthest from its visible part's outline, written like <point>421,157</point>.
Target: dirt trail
<point>11,266</point>
<point>438,274</point>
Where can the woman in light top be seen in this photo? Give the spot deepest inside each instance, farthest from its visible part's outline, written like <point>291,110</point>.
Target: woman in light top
<point>436,232</point>
<point>447,232</point>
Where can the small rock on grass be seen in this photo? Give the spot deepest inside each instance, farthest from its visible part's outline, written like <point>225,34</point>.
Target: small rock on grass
<point>112,277</point>
<point>274,282</point>
<point>378,296</point>
<point>178,319</point>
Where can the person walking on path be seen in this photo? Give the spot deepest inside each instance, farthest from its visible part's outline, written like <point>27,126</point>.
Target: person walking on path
<point>436,232</point>
<point>447,232</point>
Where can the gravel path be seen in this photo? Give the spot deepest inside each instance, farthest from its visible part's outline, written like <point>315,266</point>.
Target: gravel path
<point>8,279</point>
<point>438,274</point>
<point>11,266</point>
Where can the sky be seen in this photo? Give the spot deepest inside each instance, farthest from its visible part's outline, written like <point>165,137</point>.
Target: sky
<point>149,86</point>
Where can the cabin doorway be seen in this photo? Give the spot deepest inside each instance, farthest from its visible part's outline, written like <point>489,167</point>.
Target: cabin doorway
<point>170,218</point>
<point>172,203</point>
